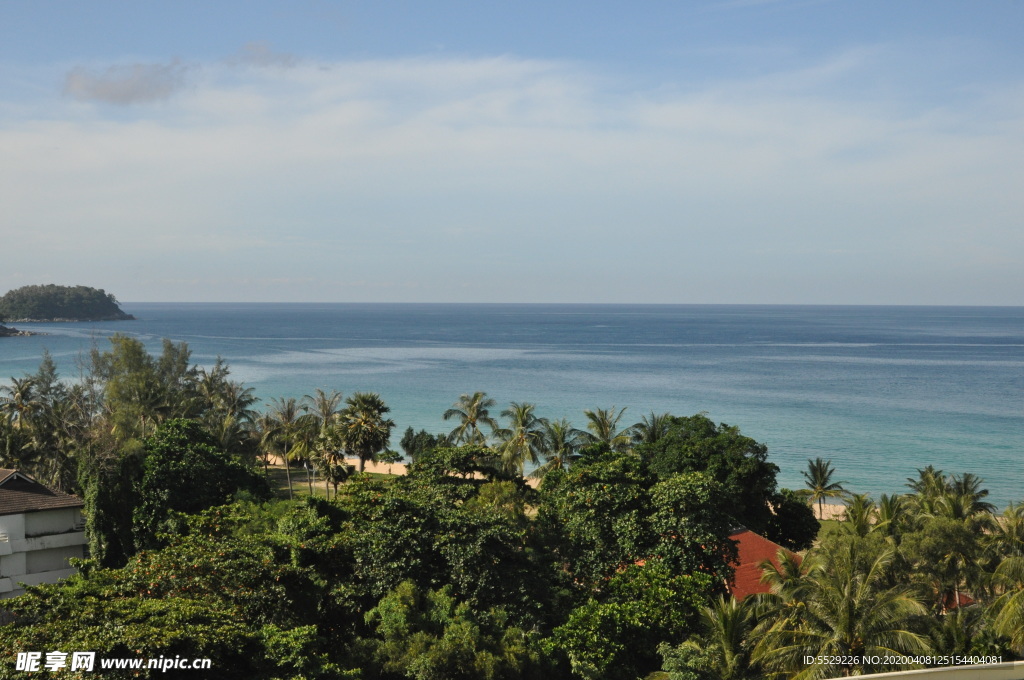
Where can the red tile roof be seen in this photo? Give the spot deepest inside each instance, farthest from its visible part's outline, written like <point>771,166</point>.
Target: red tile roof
<point>20,493</point>
<point>752,549</point>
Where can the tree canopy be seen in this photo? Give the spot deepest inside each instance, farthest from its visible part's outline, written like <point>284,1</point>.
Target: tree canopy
<point>51,302</point>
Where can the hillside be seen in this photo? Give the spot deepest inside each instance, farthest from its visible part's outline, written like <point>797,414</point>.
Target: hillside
<point>60,303</point>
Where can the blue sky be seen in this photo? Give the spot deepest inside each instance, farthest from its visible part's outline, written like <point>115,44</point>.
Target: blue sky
<point>745,151</point>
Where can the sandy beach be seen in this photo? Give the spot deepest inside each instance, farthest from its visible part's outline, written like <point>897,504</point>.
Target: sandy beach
<point>401,469</point>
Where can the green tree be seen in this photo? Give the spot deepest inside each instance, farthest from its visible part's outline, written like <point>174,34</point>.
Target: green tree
<point>415,444</point>
<point>597,514</point>
<point>722,650</point>
<point>560,445</point>
<point>286,435</point>
<point>691,522</point>
<point>792,523</point>
<point>860,515</point>
<point>239,601</point>
<point>845,609</point>
<point>651,428</point>
<point>617,635</point>
<point>522,441</point>
<point>737,462</point>
<point>364,429</point>
<point>820,484</point>
<point>472,411</point>
<point>184,471</point>
<point>604,428</point>
<point>433,636</point>
<point>140,391</point>
<point>945,554</point>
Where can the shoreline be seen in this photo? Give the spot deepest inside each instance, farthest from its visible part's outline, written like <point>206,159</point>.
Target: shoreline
<point>399,469</point>
<point>11,332</point>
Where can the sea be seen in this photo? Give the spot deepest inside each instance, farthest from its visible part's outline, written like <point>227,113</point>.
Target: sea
<point>879,391</point>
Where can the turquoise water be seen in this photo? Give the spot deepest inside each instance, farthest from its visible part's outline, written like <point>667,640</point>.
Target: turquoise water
<point>881,391</point>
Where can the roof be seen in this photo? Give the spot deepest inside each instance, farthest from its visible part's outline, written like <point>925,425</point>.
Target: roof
<point>752,550</point>
<point>20,493</point>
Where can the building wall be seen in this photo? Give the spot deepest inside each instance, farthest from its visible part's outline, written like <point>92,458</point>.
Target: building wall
<point>13,526</point>
<point>52,522</point>
<point>53,559</point>
<point>35,547</point>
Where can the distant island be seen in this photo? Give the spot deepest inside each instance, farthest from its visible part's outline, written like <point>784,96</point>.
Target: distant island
<point>58,303</point>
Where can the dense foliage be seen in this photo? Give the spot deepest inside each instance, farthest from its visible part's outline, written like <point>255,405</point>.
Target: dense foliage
<point>52,302</point>
<point>617,564</point>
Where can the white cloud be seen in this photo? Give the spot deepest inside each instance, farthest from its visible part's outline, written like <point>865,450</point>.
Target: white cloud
<point>405,171</point>
<point>126,83</point>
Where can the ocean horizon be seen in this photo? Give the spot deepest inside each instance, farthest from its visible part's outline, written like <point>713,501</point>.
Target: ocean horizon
<point>879,390</point>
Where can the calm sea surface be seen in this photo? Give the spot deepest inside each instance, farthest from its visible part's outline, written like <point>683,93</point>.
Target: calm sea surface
<point>881,391</point>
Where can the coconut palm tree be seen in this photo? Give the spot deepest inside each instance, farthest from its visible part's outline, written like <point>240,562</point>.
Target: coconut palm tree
<point>323,407</point>
<point>651,428</point>
<point>930,484</point>
<point>968,485</point>
<point>522,441</point>
<point>1007,610</point>
<point>286,415</point>
<point>364,429</point>
<point>845,610</point>
<point>560,445</point>
<point>893,518</point>
<point>603,425</point>
<point>323,414</point>
<point>860,515</point>
<point>724,645</point>
<point>472,411</point>
<point>820,485</point>
<point>1006,539</point>
<point>786,577</point>
<point>19,401</point>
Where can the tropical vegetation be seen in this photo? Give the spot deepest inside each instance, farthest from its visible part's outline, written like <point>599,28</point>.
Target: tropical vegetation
<point>66,303</point>
<point>515,546</point>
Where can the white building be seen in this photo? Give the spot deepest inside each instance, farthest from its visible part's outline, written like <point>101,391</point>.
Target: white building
<point>40,530</point>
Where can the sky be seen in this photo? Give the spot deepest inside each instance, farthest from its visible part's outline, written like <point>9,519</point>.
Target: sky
<point>704,151</point>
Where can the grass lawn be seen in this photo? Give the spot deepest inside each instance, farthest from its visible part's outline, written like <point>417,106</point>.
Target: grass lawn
<point>828,527</point>
<point>300,483</point>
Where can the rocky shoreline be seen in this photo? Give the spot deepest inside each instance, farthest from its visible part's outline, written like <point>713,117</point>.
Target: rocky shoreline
<point>7,332</point>
<point>126,317</point>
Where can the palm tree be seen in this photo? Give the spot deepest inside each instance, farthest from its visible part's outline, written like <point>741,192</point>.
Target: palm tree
<point>363,427</point>
<point>892,515</point>
<point>651,428</point>
<point>1006,539</point>
<point>266,438</point>
<point>237,401</point>
<point>471,411</point>
<point>323,407</point>
<point>522,440</point>
<point>19,401</point>
<point>860,515</point>
<point>930,485</point>
<point>603,425</point>
<point>1007,610</point>
<point>844,609</point>
<point>724,645</point>
<point>560,445</point>
<point>324,411</point>
<point>286,415</point>
<point>968,485</point>
<point>787,579</point>
<point>819,482</point>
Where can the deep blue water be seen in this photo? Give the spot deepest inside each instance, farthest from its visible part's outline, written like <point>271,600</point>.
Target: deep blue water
<point>881,391</point>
